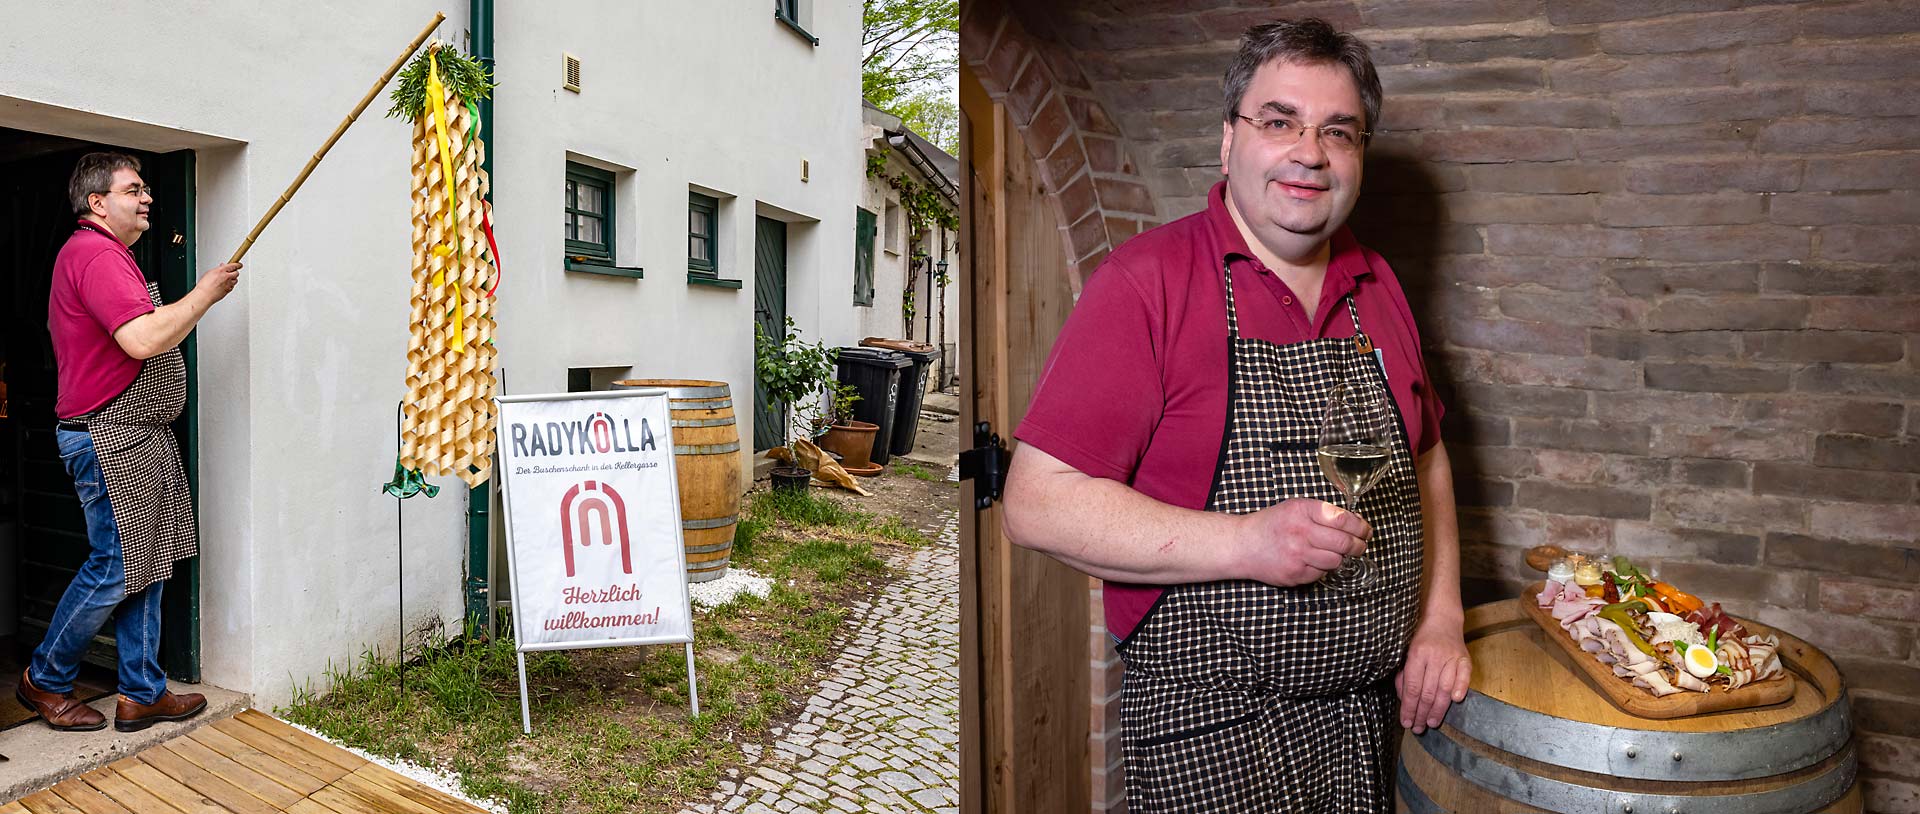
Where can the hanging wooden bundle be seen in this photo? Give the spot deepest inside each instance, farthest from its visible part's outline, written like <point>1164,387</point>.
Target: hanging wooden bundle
<point>447,418</point>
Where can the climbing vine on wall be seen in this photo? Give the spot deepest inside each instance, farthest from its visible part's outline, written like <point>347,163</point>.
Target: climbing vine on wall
<point>926,208</point>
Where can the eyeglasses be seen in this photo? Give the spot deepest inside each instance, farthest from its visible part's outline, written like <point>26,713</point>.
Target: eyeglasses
<point>1341,137</point>
<point>136,192</point>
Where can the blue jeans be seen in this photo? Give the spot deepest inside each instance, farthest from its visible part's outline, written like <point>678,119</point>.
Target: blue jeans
<point>99,588</point>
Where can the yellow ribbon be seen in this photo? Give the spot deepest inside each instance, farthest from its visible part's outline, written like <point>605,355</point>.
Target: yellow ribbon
<point>435,94</point>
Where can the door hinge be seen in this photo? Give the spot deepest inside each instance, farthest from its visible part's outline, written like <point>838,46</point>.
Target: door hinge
<point>985,465</point>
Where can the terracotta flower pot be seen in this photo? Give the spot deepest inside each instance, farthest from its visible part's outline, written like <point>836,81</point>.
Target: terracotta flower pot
<point>853,441</point>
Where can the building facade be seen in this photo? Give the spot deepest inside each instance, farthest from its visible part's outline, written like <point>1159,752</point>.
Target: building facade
<point>726,189</point>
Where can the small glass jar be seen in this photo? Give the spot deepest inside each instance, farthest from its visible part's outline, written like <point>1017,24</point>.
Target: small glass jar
<point>1587,571</point>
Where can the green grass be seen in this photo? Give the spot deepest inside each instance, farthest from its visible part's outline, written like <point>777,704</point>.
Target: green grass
<point>611,726</point>
<point>921,473</point>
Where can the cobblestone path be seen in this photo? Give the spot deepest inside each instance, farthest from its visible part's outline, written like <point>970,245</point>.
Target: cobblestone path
<point>882,734</point>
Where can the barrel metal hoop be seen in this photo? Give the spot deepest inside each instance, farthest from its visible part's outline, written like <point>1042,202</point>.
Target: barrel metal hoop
<point>702,422</point>
<point>698,404</point>
<point>708,574</point>
<point>1415,797</point>
<point>1646,754</point>
<point>710,548</point>
<point>706,449</point>
<point>1557,795</point>
<point>710,522</point>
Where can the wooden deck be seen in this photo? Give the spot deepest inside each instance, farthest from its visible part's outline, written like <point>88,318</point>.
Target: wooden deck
<point>249,764</point>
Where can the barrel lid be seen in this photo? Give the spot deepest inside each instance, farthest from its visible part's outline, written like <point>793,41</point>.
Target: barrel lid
<point>919,351</point>
<point>1527,700</point>
<point>874,357</point>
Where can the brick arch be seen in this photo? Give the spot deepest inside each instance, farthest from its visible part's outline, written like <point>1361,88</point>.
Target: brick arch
<point>1078,150</point>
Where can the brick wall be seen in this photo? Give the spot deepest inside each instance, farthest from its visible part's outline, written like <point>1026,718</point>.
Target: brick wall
<point>1666,259</point>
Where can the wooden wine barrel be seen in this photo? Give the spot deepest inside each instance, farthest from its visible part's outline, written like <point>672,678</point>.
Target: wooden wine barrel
<point>706,458</point>
<point>1533,736</point>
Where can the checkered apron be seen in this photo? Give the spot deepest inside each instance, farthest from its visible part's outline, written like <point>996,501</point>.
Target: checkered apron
<point>140,463</point>
<point>1245,697</point>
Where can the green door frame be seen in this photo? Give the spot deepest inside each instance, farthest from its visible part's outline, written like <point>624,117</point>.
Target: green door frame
<point>177,264</point>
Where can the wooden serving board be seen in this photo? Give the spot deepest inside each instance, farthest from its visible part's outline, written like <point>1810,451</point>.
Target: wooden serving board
<point>1635,701</point>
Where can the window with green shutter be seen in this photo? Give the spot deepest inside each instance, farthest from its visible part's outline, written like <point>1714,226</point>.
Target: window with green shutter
<point>863,230</point>
<point>703,230</point>
<point>589,221</point>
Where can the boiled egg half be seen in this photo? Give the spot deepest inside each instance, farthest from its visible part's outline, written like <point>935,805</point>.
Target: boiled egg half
<point>1701,661</point>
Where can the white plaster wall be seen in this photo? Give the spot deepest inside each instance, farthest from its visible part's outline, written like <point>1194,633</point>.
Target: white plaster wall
<point>301,368</point>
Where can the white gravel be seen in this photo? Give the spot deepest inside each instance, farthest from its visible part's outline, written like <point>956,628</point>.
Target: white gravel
<point>714,593</point>
<point>446,782</point>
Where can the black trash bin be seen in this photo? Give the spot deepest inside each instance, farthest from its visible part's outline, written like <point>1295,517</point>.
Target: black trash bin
<point>875,373</point>
<point>913,388</point>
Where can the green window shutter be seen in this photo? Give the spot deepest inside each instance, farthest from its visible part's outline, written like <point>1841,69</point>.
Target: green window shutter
<point>589,213</point>
<point>703,235</point>
<point>863,231</point>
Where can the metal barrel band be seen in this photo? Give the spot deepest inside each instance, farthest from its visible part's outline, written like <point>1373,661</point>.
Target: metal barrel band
<point>709,522</point>
<point>697,392</point>
<point>1415,797</point>
<point>1558,795</point>
<point>699,404</point>
<point>702,422</point>
<point>1740,754</point>
<point>706,449</point>
<point>709,548</point>
<point>713,571</point>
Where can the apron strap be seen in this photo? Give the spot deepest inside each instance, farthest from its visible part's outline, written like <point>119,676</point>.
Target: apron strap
<point>1233,317</point>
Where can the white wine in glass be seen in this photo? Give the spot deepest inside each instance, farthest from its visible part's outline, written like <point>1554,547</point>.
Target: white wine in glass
<point>1354,454</point>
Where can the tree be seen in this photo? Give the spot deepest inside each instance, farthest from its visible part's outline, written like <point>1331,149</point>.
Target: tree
<point>910,60</point>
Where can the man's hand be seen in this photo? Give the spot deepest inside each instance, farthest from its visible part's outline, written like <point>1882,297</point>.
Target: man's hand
<point>1295,541</point>
<point>1436,674</point>
<point>218,282</point>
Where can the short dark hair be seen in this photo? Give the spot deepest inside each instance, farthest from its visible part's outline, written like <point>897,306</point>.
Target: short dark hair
<point>94,173</point>
<point>1310,41</point>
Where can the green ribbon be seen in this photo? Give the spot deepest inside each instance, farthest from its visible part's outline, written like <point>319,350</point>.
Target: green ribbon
<point>408,482</point>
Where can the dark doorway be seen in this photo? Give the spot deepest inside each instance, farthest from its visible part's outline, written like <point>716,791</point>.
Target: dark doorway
<point>770,313</point>
<point>39,513</point>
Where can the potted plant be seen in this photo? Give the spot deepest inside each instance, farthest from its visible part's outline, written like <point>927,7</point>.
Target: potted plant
<point>851,439</point>
<point>792,372</point>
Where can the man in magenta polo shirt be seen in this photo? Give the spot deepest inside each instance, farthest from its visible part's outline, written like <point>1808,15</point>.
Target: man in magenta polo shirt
<point>1169,450</point>
<point>122,381</point>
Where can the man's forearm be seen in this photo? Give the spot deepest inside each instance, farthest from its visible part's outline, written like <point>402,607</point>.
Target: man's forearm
<point>1107,529</point>
<point>163,328</point>
<point>1440,594</point>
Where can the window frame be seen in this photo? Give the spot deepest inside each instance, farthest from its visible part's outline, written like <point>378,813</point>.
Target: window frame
<point>710,205</point>
<point>788,13</point>
<point>604,252</point>
<point>865,232</point>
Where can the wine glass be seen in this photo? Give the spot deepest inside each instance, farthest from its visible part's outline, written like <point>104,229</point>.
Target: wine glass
<point>1354,451</point>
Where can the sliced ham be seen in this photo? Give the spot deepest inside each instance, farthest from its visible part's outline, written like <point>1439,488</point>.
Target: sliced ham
<point>1688,682</point>
<point>1655,683</point>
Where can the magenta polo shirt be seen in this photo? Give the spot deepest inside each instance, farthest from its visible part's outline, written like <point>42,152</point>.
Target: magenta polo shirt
<point>96,289</point>
<point>1135,389</point>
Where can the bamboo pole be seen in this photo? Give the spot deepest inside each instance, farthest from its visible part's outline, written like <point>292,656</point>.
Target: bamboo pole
<point>337,132</point>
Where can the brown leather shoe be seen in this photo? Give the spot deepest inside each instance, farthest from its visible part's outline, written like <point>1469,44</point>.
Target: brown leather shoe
<point>132,717</point>
<point>63,712</point>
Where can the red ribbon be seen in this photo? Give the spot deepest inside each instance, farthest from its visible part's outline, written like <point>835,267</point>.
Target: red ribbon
<point>486,224</point>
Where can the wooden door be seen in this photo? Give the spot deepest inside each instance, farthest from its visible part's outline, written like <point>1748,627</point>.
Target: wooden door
<point>770,313</point>
<point>1025,665</point>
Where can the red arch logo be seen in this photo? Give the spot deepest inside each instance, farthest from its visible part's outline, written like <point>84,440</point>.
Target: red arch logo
<point>600,432</point>
<point>580,507</point>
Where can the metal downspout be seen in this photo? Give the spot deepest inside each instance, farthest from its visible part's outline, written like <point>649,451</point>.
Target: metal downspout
<point>479,502</point>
